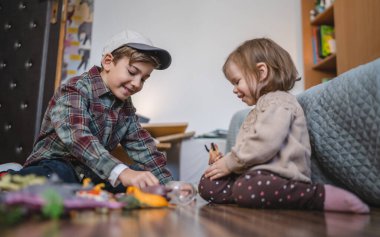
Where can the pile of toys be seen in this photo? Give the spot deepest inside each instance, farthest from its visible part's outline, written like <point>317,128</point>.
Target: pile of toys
<point>22,196</point>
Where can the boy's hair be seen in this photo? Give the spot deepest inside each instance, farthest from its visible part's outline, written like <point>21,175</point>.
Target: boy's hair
<point>134,56</point>
<point>282,73</point>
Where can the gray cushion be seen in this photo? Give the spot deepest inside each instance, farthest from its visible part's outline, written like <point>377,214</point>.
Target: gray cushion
<point>343,118</point>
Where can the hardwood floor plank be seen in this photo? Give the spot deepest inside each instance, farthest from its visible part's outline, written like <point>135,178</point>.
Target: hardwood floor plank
<point>200,220</point>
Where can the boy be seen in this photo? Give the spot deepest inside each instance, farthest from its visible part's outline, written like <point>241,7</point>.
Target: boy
<point>92,113</point>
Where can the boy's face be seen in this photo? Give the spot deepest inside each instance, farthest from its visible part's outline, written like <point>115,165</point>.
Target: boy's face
<point>122,78</point>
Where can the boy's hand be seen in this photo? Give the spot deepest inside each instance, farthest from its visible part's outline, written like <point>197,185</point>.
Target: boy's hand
<point>217,170</point>
<point>140,179</point>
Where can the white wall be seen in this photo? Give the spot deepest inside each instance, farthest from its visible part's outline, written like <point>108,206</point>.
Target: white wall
<point>199,34</point>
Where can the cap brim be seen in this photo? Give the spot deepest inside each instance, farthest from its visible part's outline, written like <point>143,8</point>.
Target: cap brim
<point>162,55</point>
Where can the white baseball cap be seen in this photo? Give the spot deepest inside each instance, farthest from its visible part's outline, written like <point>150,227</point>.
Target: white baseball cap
<point>137,41</point>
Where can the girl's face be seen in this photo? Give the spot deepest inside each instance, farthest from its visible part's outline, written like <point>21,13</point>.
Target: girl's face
<point>241,88</point>
<point>123,79</point>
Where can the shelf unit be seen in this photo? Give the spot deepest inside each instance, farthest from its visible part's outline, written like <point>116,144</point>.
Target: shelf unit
<point>327,64</point>
<point>357,36</point>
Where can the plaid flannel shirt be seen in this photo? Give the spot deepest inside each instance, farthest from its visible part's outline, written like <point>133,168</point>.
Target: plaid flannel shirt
<point>84,121</point>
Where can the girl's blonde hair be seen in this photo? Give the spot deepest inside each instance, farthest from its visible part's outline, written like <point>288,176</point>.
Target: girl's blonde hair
<point>282,73</point>
<point>134,56</point>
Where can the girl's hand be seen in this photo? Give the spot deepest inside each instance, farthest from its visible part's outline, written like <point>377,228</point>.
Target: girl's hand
<point>214,153</point>
<point>217,170</point>
<point>214,157</point>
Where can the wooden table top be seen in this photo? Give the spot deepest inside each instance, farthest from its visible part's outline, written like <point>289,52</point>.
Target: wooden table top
<point>201,220</point>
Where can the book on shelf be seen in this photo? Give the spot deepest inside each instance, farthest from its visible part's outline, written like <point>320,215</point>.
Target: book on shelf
<point>316,44</point>
<point>323,42</point>
<point>327,40</point>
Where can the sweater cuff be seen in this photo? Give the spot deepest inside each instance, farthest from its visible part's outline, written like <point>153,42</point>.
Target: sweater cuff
<point>114,176</point>
<point>233,163</point>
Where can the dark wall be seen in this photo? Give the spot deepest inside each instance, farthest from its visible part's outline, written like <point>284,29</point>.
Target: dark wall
<point>28,56</point>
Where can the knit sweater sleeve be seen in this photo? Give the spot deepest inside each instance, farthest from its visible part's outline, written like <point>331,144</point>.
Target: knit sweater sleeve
<point>261,138</point>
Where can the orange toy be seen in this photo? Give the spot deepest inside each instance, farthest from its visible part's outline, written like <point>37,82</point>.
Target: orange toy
<point>147,199</point>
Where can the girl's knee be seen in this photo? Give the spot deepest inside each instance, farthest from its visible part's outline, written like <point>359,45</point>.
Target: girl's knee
<point>204,183</point>
<point>246,193</point>
<point>216,191</point>
<point>205,188</point>
<point>246,199</point>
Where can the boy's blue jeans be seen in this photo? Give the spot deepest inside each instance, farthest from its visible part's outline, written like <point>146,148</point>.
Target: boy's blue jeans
<point>64,171</point>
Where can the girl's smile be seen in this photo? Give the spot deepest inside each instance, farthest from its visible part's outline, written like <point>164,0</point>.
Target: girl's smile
<point>241,88</point>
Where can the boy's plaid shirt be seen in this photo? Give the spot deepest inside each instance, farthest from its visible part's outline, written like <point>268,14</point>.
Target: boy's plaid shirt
<point>84,121</point>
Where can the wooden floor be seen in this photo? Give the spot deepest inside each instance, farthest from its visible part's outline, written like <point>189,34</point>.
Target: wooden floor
<point>201,220</point>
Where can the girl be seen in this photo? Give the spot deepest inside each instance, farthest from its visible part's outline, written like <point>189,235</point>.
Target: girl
<point>269,167</point>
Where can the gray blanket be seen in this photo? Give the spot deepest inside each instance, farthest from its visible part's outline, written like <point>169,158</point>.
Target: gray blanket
<point>343,117</point>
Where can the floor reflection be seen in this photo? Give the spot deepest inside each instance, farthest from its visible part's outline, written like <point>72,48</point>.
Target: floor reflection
<point>342,224</point>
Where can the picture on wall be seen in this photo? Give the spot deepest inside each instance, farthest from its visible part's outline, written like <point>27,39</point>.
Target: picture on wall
<point>77,42</point>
